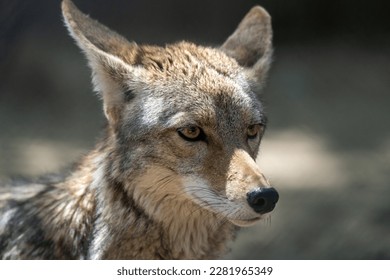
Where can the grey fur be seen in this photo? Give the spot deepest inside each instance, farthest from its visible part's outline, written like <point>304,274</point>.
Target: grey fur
<point>146,191</point>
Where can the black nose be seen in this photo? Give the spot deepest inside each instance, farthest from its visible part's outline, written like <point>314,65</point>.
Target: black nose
<point>263,200</point>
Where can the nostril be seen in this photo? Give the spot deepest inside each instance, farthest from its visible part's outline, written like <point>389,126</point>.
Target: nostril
<point>263,200</point>
<point>258,202</point>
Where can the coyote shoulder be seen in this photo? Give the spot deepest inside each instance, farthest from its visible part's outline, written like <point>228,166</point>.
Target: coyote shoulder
<point>174,176</point>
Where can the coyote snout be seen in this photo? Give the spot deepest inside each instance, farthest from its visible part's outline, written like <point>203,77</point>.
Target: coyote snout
<point>175,173</point>
<point>243,195</point>
<point>260,196</point>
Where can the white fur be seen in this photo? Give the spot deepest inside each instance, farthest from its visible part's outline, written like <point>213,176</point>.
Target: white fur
<point>5,218</point>
<point>151,110</point>
<point>236,211</point>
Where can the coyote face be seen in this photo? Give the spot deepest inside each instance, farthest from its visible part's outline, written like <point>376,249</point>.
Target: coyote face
<point>191,112</point>
<point>176,172</point>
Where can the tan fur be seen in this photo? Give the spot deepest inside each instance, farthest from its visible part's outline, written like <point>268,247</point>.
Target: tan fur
<point>147,191</point>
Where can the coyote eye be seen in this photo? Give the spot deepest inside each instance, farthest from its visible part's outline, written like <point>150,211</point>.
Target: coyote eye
<point>191,133</point>
<point>254,130</point>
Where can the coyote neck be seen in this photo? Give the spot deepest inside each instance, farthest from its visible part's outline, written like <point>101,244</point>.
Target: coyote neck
<point>126,227</point>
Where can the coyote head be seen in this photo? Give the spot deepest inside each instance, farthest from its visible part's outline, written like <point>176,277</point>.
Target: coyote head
<point>185,122</point>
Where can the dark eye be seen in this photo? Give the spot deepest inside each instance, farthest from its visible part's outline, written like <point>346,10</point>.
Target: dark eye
<point>254,130</point>
<point>191,133</point>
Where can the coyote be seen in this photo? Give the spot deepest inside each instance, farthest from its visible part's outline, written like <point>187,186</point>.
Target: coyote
<point>174,176</point>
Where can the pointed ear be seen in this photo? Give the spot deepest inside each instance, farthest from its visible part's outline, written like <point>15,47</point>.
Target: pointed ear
<point>107,53</point>
<point>251,44</point>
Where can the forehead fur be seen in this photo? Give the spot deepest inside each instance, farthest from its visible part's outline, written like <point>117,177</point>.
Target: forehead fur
<point>184,83</point>
<point>185,70</point>
<point>184,77</point>
<point>174,57</point>
<point>188,64</point>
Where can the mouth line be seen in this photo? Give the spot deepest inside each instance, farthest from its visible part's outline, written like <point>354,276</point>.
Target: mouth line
<point>245,222</point>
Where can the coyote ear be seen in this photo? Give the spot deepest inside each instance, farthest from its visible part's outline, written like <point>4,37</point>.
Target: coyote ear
<point>107,53</point>
<point>251,44</point>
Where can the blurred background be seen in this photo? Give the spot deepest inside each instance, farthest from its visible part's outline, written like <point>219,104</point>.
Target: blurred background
<point>327,148</point>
